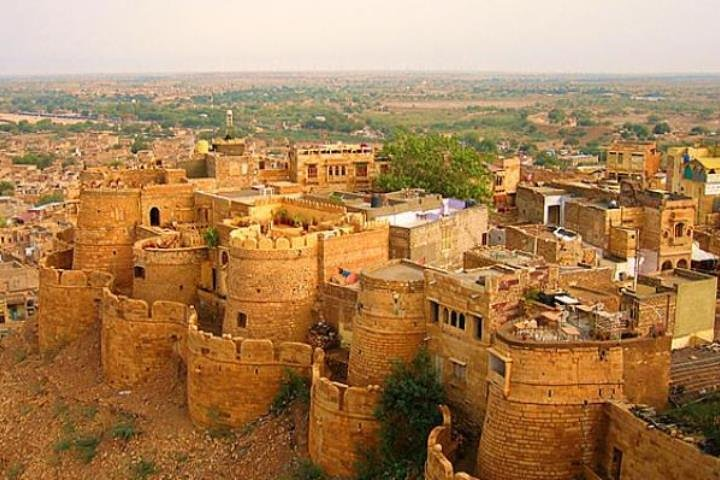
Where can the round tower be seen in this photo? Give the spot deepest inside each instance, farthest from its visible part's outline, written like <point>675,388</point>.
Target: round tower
<point>390,324</point>
<point>272,286</point>
<point>106,232</point>
<point>544,405</point>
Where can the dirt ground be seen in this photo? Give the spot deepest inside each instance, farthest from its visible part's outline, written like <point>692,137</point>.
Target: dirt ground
<point>58,420</point>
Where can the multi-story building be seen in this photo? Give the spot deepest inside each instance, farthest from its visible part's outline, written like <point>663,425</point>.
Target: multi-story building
<point>505,179</point>
<point>638,161</point>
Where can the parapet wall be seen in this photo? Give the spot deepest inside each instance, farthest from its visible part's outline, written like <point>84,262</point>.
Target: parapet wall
<point>172,274</point>
<point>342,421</point>
<point>272,286</point>
<point>648,453</point>
<point>138,341</point>
<point>69,304</point>
<point>232,381</point>
<point>440,448</point>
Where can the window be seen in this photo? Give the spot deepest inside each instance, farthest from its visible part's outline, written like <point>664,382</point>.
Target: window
<point>434,311</point>
<point>312,171</point>
<point>453,319</point>
<point>497,365</point>
<point>361,170</point>
<point>154,217</point>
<point>478,326</point>
<point>459,371</point>
<point>679,229</point>
<point>139,272</point>
<point>241,320</point>
<point>499,180</point>
<point>461,321</point>
<point>667,265</point>
<point>616,465</point>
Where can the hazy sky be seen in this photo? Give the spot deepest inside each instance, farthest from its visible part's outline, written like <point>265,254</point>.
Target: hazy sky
<point>617,36</point>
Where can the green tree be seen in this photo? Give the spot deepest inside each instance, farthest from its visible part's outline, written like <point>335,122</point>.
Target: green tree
<point>662,128</point>
<point>52,198</point>
<point>437,164</point>
<point>6,188</point>
<point>556,115</point>
<point>407,411</point>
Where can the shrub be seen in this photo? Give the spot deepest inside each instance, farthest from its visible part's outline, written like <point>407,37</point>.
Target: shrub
<point>212,237</point>
<point>124,429</point>
<point>294,387</point>
<point>407,412</point>
<point>305,470</point>
<point>143,469</point>
<point>86,447</point>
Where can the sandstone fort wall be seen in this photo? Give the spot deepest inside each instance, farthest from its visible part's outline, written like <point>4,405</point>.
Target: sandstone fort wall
<point>440,448</point>
<point>272,287</point>
<point>106,232</point>
<point>138,341</point>
<point>69,304</point>
<point>390,326</point>
<point>342,422</point>
<point>231,381</point>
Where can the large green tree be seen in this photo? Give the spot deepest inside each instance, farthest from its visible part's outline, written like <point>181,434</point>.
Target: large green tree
<point>438,164</point>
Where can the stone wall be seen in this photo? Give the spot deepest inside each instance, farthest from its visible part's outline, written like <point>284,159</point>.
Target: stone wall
<point>390,325</point>
<point>232,381</point>
<point>175,203</point>
<point>69,304</point>
<point>106,233</point>
<point>643,453</point>
<point>172,274</point>
<point>440,449</point>
<point>353,251</point>
<point>272,287</point>
<point>138,341</point>
<point>342,422</point>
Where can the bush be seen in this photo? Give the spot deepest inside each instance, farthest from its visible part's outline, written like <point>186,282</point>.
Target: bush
<point>212,237</point>
<point>143,469</point>
<point>294,387</point>
<point>305,470</point>
<point>408,410</point>
<point>86,447</point>
<point>124,429</point>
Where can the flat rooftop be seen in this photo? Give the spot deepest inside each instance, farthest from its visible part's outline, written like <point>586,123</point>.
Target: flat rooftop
<point>398,272</point>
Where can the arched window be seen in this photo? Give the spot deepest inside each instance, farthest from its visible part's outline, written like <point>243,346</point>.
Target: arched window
<point>679,229</point>
<point>682,263</point>
<point>155,217</point>
<point>667,265</point>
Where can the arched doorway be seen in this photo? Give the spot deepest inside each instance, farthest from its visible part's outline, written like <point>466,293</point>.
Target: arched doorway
<point>682,263</point>
<point>667,265</point>
<point>155,217</point>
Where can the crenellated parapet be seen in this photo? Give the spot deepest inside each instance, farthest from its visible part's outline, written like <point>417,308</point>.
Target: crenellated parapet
<point>69,304</point>
<point>232,381</point>
<point>138,340</point>
<point>166,269</point>
<point>342,421</point>
<point>440,449</point>
<point>272,285</point>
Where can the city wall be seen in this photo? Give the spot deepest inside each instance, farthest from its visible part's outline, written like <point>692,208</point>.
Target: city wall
<point>647,453</point>
<point>440,450</point>
<point>137,341</point>
<point>342,421</point>
<point>69,304</point>
<point>232,381</point>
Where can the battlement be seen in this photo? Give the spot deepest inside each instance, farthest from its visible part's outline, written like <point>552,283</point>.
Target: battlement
<point>68,304</point>
<point>53,277</point>
<point>250,239</point>
<point>229,349</point>
<point>311,204</point>
<point>342,421</point>
<point>339,397</point>
<point>439,446</point>
<point>132,310</point>
<point>232,381</point>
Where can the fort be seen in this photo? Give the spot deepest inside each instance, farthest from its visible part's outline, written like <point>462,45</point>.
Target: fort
<point>540,345</point>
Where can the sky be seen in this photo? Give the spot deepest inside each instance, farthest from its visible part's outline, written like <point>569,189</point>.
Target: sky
<point>519,36</point>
